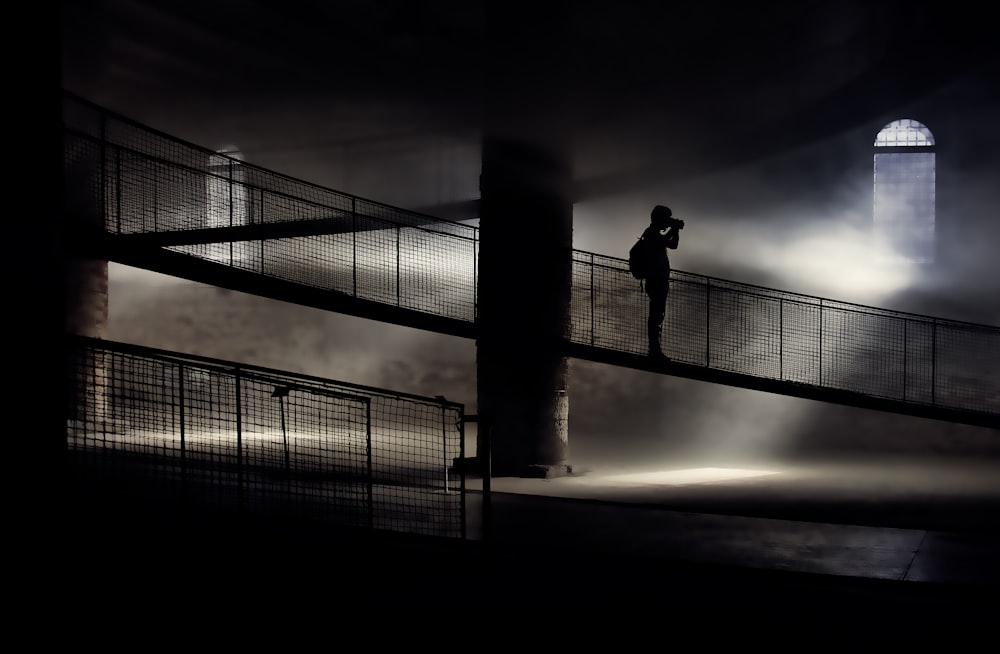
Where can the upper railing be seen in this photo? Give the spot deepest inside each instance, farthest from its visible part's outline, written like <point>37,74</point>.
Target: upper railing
<point>162,191</point>
<point>156,193</point>
<point>798,339</point>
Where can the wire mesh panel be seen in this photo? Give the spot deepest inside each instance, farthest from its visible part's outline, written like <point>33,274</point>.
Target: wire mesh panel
<point>685,333</point>
<point>800,357</point>
<point>607,306</point>
<point>966,366</point>
<point>743,331</point>
<point>306,451</point>
<point>863,352</point>
<point>411,465</point>
<point>181,432</point>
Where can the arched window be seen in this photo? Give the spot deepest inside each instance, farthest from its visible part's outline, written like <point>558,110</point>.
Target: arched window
<point>904,192</point>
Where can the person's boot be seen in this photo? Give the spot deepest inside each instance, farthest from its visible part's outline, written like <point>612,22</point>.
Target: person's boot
<point>655,351</point>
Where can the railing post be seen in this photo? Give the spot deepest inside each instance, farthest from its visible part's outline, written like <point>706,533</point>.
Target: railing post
<point>475,275</point>
<point>103,191</point>
<point>399,246</point>
<point>593,304</point>
<point>281,392</point>
<point>181,420</point>
<point>444,447</point>
<point>821,341</point>
<point>231,208</point>
<point>484,458</point>
<point>156,203</point>
<point>906,324</point>
<point>354,246</point>
<point>261,221</point>
<point>934,324</point>
<point>239,441</point>
<point>370,470</point>
<point>781,338</point>
<point>708,323</point>
<point>118,190</point>
<point>464,518</point>
<point>486,471</point>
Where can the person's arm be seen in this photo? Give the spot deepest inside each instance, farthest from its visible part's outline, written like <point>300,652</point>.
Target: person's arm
<point>673,238</point>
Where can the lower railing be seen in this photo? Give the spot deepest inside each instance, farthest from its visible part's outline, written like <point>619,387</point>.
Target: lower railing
<point>162,429</point>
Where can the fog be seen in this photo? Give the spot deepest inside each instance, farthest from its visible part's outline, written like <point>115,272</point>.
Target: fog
<point>788,208</point>
<point>799,222</point>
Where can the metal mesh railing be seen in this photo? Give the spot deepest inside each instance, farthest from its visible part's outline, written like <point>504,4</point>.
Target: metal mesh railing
<point>791,337</point>
<point>134,181</point>
<point>182,431</point>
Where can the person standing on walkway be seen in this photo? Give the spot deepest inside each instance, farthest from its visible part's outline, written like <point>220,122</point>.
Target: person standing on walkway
<point>662,234</point>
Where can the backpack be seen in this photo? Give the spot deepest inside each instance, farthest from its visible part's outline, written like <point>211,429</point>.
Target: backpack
<point>638,259</point>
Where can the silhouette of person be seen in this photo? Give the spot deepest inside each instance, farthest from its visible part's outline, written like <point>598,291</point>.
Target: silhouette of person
<point>662,234</point>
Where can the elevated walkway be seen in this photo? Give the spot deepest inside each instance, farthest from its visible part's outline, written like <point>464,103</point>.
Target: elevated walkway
<point>145,199</point>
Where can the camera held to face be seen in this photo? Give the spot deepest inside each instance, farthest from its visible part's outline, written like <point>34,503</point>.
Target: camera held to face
<point>663,218</point>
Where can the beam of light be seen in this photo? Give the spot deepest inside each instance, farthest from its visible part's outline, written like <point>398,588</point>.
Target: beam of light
<point>904,188</point>
<point>843,264</point>
<point>226,203</point>
<point>681,477</point>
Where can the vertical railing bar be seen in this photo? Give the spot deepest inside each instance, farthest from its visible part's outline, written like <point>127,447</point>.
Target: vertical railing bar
<point>232,208</point>
<point>475,275</point>
<point>261,221</point>
<point>593,304</point>
<point>103,191</point>
<point>463,516</point>
<point>371,472</point>
<point>239,441</point>
<point>821,341</point>
<point>906,324</point>
<point>399,246</point>
<point>156,203</point>
<point>118,188</point>
<point>444,447</point>
<point>183,428</point>
<point>354,246</point>
<point>934,324</point>
<point>708,323</point>
<point>781,338</point>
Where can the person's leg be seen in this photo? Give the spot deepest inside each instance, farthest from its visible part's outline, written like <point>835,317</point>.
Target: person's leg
<point>657,312</point>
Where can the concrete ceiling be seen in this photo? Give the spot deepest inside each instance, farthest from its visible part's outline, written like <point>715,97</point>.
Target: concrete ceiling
<point>671,89</point>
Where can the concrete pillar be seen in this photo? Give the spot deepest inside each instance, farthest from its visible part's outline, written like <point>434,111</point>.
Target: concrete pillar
<point>524,290</point>
<point>526,238</point>
<point>87,297</point>
<point>86,311</point>
<point>85,286</point>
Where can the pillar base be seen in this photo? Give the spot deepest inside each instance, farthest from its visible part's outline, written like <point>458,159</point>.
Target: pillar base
<point>536,471</point>
<point>473,466</point>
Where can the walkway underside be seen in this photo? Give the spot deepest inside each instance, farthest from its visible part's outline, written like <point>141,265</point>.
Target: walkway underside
<point>183,266</point>
<point>777,386</point>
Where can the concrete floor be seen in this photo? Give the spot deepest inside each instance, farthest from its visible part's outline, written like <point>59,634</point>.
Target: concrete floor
<point>914,521</point>
<point>804,557</point>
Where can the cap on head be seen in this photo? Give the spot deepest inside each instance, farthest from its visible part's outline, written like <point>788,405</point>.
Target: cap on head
<point>660,212</point>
